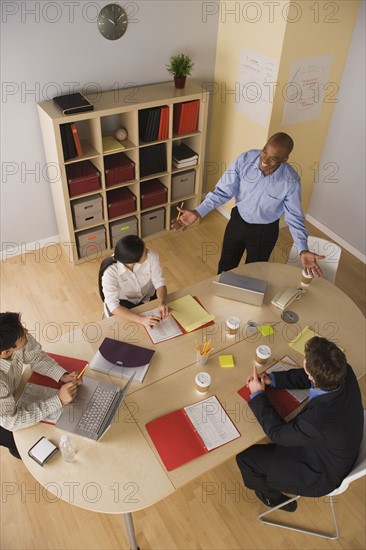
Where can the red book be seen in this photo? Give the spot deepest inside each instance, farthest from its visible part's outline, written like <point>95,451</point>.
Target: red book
<point>164,120</point>
<point>282,400</point>
<point>77,142</point>
<point>181,436</point>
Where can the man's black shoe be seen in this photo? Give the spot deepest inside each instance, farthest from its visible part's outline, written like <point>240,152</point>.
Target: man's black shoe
<point>272,502</point>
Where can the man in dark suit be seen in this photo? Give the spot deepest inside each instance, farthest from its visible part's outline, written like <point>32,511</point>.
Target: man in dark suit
<point>313,453</point>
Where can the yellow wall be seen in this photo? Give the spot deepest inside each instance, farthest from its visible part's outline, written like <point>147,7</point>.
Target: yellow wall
<point>319,28</point>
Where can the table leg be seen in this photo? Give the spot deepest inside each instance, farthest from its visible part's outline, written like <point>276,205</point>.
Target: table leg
<point>130,531</point>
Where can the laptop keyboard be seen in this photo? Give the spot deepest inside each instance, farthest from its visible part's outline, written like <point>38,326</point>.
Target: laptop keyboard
<point>95,413</point>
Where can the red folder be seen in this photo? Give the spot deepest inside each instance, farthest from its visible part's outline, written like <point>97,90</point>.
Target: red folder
<point>176,438</point>
<point>281,400</point>
<point>68,363</point>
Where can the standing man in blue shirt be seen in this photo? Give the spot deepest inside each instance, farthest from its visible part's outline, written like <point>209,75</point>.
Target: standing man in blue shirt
<point>265,187</point>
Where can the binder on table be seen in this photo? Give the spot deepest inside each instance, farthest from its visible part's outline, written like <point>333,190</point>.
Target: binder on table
<point>42,387</point>
<point>73,103</point>
<point>118,358</point>
<point>68,363</point>
<point>284,401</point>
<point>189,313</point>
<point>190,432</point>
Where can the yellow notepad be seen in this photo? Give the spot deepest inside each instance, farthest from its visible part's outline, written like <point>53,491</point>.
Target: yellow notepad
<point>299,342</point>
<point>226,360</point>
<point>266,330</point>
<point>110,144</point>
<point>189,313</point>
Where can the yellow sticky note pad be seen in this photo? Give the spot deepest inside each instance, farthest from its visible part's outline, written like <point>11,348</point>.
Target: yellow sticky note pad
<point>226,360</point>
<point>266,330</point>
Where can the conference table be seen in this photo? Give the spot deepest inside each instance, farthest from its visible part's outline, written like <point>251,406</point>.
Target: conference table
<point>123,472</point>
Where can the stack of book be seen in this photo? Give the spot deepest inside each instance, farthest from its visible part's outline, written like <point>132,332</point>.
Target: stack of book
<point>154,123</point>
<point>153,159</point>
<point>71,145</point>
<point>185,117</point>
<point>183,156</point>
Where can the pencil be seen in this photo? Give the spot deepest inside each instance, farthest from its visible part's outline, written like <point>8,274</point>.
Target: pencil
<point>179,213</point>
<point>82,372</point>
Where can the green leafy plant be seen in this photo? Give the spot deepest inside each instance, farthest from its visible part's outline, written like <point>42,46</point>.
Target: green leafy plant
<point>180,65</point>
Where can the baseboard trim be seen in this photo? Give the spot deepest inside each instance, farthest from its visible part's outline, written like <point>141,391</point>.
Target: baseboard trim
<point>11,249</point>
<point>344,244</point>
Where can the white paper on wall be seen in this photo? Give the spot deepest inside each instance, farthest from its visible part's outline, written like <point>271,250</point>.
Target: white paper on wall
<point>307,89</point>
<point>257,84</point>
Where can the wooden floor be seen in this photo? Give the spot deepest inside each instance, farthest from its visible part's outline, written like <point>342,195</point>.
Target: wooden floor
<point>214,511</point>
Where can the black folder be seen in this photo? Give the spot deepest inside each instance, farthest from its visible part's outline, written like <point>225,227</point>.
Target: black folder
<point>73,103</point>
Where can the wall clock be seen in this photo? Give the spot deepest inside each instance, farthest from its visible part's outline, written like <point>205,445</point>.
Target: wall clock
<point>112,21</point>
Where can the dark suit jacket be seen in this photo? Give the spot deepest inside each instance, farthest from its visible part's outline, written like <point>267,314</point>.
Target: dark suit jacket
<point>317,449</point>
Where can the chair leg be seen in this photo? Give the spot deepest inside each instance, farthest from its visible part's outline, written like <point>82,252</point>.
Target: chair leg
<point>333,536</point>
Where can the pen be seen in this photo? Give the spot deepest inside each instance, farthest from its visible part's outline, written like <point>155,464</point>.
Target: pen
<point>179,213</point>
<point>82,372</point>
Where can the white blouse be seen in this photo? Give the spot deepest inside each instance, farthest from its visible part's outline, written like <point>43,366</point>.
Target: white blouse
<point>120,283</point>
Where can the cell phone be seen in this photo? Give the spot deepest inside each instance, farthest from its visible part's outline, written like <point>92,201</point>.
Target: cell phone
<point>42,451</point>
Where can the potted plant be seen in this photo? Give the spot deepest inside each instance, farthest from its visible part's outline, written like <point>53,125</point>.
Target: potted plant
<point>180,66</point>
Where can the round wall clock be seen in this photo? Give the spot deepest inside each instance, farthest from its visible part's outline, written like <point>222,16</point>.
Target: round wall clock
<point>112,21</point>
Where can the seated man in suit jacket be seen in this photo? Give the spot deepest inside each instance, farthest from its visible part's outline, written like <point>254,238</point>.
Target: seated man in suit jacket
<point>313,453</point>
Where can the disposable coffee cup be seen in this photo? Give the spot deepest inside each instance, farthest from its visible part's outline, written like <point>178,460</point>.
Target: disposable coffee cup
<point>305,278</point>
<point>262,354</point>
<point>232,325</point>
<point>203,381</point>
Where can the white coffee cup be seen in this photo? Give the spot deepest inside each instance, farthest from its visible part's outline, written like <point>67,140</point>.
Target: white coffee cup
<point>305,278</point>
<point>232,325</point>
<point>262,354</point>
<point>203,382</point>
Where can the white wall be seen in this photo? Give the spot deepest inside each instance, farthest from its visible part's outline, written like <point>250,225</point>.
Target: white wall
<point>338,200</point>
<point>48,48</point>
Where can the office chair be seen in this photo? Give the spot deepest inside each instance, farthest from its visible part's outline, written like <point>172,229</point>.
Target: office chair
<point>330,250</point>
<point>358,470</point>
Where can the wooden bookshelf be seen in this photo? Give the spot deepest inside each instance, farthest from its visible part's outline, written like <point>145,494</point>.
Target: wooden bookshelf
<point>113,110</point>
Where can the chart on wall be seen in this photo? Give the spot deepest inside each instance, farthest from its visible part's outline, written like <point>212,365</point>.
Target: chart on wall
<point>257,76</point>
<point>308,87</point>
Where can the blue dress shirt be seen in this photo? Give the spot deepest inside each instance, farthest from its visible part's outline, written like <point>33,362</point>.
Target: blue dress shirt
<point>314,392</point>
<point>260,198</point>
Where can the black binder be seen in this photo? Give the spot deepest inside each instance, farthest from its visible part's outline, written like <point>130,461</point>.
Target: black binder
<point>73,103</point>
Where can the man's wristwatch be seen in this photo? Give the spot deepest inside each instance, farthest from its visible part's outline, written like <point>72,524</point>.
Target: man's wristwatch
<point>302,251</point>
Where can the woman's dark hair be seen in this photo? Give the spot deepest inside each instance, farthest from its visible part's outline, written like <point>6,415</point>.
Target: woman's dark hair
<point>11,329</point>
<point>128,250</point>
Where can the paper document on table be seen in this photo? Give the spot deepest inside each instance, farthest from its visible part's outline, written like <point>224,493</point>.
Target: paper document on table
<point>286,363</point>
<point>35,392</point>
<point>166,328</point>
<point>189,313</point>
<point>211,422</point>
<point>299,342</point>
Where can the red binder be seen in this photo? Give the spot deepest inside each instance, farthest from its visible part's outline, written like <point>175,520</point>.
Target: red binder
<point>68,363</point>
<point>176,438</point>
<point>282,401</point>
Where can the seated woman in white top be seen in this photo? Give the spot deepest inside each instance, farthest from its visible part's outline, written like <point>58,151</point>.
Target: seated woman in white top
<point>132,276</point>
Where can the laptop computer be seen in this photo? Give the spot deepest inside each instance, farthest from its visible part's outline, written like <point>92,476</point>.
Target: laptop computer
<point>94,408</point>
<point>240,288</point>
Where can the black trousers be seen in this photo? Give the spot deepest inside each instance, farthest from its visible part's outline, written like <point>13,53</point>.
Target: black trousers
<point>7,440</point>
<point>254,464</point>
<point>258,239</point>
